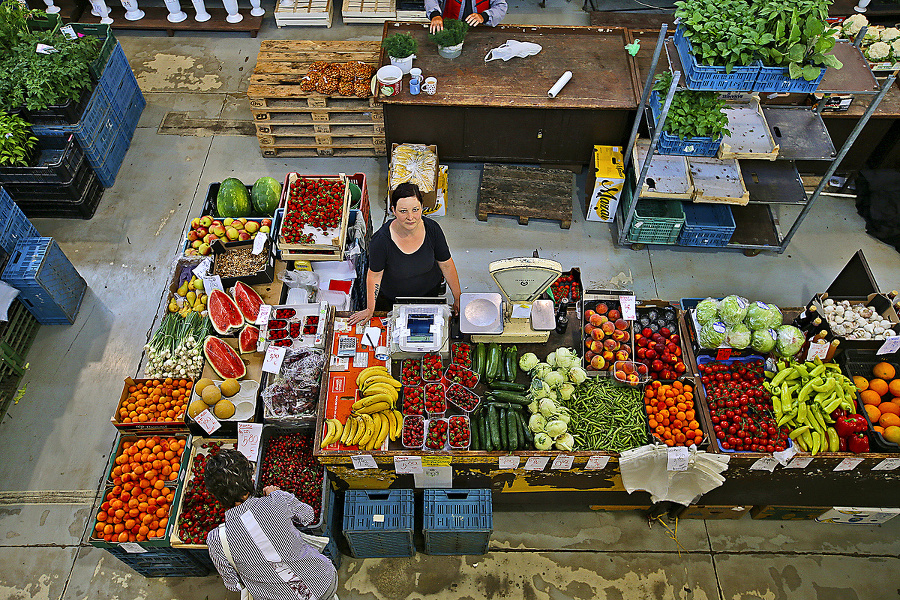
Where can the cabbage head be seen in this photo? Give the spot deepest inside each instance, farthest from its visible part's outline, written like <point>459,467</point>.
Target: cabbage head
<point>733,309</point>
<point>712,335</point>
<point>758,315</point>
<point>738,336</point>
<point>763,340</point>
<point>707,311</point>
<point>789,341</point>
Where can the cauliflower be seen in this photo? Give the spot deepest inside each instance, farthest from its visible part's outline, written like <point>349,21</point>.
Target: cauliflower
<point>853,24</point>
<point>890,34</point>
<point>878,51</point>
<point>895,49</point>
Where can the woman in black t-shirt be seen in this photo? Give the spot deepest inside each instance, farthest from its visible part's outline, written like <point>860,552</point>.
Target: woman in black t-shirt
<point>408,256</point>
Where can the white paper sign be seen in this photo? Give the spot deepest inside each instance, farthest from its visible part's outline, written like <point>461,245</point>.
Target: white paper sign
<point>509,462</point>
<point>45,49</point>
<point>364,461</point>
<point>202,270</point>
<point>212,282</point>
<point>274,357</point>
<point>208,422</point>
<point>767,463</point>
<point>536,463</point>
<point>890,345</point>
<point>799,462</point>
<point>819,349</point>
<point>563,462</point>
<point>132,548</point>
<point>407,465</point>
<point>263,317</point>
<point>259,243</point>
<point>434,477</point>
<point>248,439</point>
<point>69,32</point>
<point>677,458</point>
<point>785,455</point>
<point>596,462</point>
<point>628,311</point>
<point>848,464</point>
<point>888,464</point>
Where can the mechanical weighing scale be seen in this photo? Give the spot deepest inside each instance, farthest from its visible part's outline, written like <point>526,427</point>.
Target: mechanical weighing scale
<point>414,329</point>
<point>520,317</point>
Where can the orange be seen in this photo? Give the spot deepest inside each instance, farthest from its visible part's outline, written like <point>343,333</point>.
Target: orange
<point>894,387</point>
<point>892,434</point>
<point>879,385</point>
<point>873,412</point>
<point>884,370</point>
<point>870,397</point>
<point>889,407</point>
<point>861,383</point>
<point>888,419</point>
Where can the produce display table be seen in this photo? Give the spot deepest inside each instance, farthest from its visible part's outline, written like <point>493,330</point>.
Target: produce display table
<point>499,111</point>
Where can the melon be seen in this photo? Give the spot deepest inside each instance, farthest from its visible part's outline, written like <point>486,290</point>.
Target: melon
<point>248,339</point>
<point>265,196</point>
<point>223,312</point>
<point>248,301</point>
<point>223,359</point>
<point>233,199</point>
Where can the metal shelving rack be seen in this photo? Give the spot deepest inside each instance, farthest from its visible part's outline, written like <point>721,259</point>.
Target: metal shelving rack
<point>800,133</point>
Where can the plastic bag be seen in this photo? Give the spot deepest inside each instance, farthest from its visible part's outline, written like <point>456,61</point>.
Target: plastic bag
<point>294,394</point>
<point>512,49</point>
<point>301,279</point>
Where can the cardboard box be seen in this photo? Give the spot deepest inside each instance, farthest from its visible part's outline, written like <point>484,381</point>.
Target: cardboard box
<point>858,516</point>
<point>606,179</point>
<point>429,199</point>
<point>777,512</point>
<point>440,207</point>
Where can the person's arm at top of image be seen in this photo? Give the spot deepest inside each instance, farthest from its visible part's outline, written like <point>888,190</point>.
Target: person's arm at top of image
<point>434,12</point>
<point>491,16</point>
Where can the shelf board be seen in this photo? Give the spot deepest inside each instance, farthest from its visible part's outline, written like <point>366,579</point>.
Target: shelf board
<point>854,76</point>
<point>773,182</point>
<point>156,18</point>
<point>755,227</point>
<point>800,133</point>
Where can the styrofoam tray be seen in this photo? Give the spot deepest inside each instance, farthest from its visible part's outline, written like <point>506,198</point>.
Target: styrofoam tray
<point>718,181</point>
<point>750,135</point>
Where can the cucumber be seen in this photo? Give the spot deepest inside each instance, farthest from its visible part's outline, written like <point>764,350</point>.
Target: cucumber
<point>508,386</point>
<point>511,358</point>
<point>493,418</point>
<point>505,396</point>
<point>507,405</point>
<point>529,435</point>
<point>504,429</point>
<point>474,432</point>
<point>485,432</point>
<point>504,370</point>
<point>479,358</point>
<point>492,366</point>
<point>512,428</point>
<point>520,431</point>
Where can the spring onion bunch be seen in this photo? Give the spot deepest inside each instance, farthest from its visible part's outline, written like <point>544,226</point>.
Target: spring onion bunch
<point>176,348</point>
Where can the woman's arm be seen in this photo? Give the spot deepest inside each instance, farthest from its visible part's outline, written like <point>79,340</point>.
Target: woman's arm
<point>373,286</point>
<point>448,268</point>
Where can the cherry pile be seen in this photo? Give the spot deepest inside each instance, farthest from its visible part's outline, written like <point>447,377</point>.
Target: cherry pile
<point>461,375</point>
<point>200,512</point>
<point>459,433</point>
<point>413,431</point>
<point>432,367</point>
<point>465,399</point>
<point>435,400</point>
<point>287,462</point>
<point>413,401</point>
<point>315,202</point>
<point>740,408</point>
<point>437,434</point>
<point>411,372</point>
<point>461,354</point>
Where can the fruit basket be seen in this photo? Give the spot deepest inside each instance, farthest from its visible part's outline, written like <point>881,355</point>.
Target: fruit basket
<point>460,375</point>
<point>462,398</point>
<point>413,434</point>
<point>129,416</point>
<point>411,372</point>
<point>413,400</point>
<point>459,434</point>
<point>432,367</point>
<point>435,399</point>
<point>436,434</point>
<point>461,354</point>
<point>630,373</point>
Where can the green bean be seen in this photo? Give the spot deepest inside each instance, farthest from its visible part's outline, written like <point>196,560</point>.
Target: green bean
<point>607,416</point>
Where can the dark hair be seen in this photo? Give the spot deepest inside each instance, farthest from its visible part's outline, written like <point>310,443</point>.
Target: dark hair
<point>405,190</point>
<point>229,477</point>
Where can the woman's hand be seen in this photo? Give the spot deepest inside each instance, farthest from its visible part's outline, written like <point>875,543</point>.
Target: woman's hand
<point>359,317</point>
<point>437,24</point>
<point>269,489</point>
<point>474,19</point>
<point>455,306</point>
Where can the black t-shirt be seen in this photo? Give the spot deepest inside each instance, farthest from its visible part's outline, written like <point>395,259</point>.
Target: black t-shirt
<point>408,274</point>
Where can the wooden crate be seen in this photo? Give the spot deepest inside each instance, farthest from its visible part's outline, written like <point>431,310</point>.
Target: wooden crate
<point>315,13</point>
<point>369,11</point>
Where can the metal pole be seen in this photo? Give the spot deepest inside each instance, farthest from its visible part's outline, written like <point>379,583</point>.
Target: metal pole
<point>648,85</point>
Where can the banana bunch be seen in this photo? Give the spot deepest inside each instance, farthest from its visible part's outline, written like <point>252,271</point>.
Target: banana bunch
<point>189,297</point>
<point>373,417</point>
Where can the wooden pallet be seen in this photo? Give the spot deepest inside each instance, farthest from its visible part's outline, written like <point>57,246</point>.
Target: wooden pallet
<point>265,109</point>
<point>368,11</point>
<point>526,193</point>
<point>287,132</point>
<point>314,13</point>
<point>272,152</point>
<point>267,122</point>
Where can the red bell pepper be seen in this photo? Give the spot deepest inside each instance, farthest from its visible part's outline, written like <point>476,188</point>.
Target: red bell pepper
<point>842,444</point>
<point>858,443</point>
<point>850,424</point>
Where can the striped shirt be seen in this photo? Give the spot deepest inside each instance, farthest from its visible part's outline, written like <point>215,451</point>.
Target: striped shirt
<point>273,561</point>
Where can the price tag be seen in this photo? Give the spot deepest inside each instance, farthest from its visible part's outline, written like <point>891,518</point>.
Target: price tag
<point>408,465</point>
<point>436,461</point>
<point>819,349</point>
<point>890,345</point>
<point>263,317</point>
<point>888,464</point>
<point>785,455</point>
<point>677,458</point>
<point>69,32</point>
<point>596,462</point>
<point>364,461</point>
<point>208,422</point>
<point>248,439</point>
<point>723,354</point>
<point>509,462</point>
<point>536,463</point>
<point>767,463</point>
<point>563,462</point>
<point>259,244</point>
<point>132,548</point>
<point>627,304</point>
<point>274,357</point>
<point>45,49</point>
<point>378,518</point>
<point>202,270</point>
<point>212,282</point>
<point>799,462</point>
<point>848,464</point>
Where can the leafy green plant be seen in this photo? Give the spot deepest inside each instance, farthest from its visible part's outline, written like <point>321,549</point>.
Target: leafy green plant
<point>453,33</point>
<point>14,18</point>
<point>400,45</point>
<point>722,32</point>
<point>692,114</point>
<point>801,39</point>
<point>17,142</point>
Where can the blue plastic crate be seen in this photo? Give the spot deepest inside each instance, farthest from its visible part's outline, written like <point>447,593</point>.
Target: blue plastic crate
<point>162,562</point>
<point>672,144</point>
<point>379,523</point>
<point>117,70</point>
<point>14,225</point>
<point>48,284</point>
<point>706,225</point>
<point>108,161</point>
<point>133,113</point>
<point>776,79</point>
<point>457,522</point>
<point>712,78</point>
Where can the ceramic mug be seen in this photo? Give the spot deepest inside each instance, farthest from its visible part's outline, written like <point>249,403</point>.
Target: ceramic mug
<point>430,85</point>
<point>416,73</point>
<point>414,86</point>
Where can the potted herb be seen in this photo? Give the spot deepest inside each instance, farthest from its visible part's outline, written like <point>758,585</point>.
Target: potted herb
<point>17,142</point>
<point>401,48</point>
<point>449,40</point>
<point>696,119</point>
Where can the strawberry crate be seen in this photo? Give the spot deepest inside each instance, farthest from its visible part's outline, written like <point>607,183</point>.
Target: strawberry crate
<point>330,242</point>
<point>379,523</point>
<point>712,78</point>
<point>457,522</point>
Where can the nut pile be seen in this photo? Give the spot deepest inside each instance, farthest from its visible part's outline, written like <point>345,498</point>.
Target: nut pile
<point>856,321</point>
<point>345,79</point>
<point>241,262</point>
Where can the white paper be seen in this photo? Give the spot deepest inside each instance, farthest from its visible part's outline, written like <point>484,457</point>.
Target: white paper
<point>627,304</point>
<point>888,464</point>
<point>212,282</point>
<point>207,421</point>
<point>202,270</point>
<point>536,463</point>
<point>677,458</point>
<point>45,49</point>
<point>361,360</point>
<point>596,462</point>
<point>509,462</point>
<point>263,317</point>
<point>259,243</point>
<point>799,462</point>
<point>274,357</point>
<point>371,336</point>
<point>378,518</point>
<point>69,32</point>
<point>132,548</point>
<point>785,455</point>
<point>819,349</point>
<point>560,84</point>
<point>364,461</point>
<point>767,463</point>
<point>563,462</point>
<point>407,465</point>
<point>890,345</point>
<point>848,464</point>
<point>434,477</point>
<point>248,439</point>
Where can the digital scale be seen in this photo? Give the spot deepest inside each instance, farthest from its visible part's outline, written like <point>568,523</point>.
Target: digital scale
<point>520,317</point>
<point>414,329</point>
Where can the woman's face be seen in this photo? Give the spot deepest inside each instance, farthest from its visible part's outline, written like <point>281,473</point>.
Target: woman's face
<point>408,212</point>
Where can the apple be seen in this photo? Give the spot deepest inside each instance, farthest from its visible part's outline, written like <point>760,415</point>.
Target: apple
<point>209,238</point>
<point>657,337</point>
<point>646,332</point>
<point>192,235</point>
<point>227,222</point>
<point>597,362</point>
<point>217,222</point>
<point>651,354</point>
<point>642,353</point>
<point>264,229</point>
<point>657,365</point>
<point>674,338</point>
<point>217,230</point>
<point>642,369</point>
<point>206,221</point>
<point>643,342</point>
<point>231,233</point>
<point>680,368</point>
<point>244,236</point>
<point>614,314</point>
<point>243,220</point>
<point>238,225</point>
<point>196,244</point>
<point>201,232</point>
<point>251,227</point>
<point>266,222</point>
<point>204,249</point>
<point>195,223</point>
<point>190,252</point>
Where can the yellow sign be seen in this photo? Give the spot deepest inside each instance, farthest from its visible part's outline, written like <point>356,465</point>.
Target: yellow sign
<point>436,461</point>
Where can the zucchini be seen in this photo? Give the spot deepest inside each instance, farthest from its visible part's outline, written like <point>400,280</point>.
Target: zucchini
<point>504,368</point>
<point>504,429</point>
<point>508,386</point>
<point>479,359</point>
<point>475,432</point>
<point>485,432</point>
<point>529,435</point>
<point>506,405</point>
<point>520,431</point>
<point>512,427</point>
<point>493,419</point>
<point>505,396</point>
<point>492,366</point>
<point>512,363</point>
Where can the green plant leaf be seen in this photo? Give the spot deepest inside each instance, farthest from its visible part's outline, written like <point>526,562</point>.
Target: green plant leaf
<point>795,71</point>
<point>832,61</point>
<point>810,72</point>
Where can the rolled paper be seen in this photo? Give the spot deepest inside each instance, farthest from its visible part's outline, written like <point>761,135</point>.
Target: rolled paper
<point>560,84</point>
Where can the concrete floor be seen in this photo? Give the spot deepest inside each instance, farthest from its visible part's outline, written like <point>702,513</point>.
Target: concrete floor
<point>57,438</point>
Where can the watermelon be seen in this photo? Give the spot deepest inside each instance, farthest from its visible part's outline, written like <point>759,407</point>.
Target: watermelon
<point>233,199</point>
<point>265,195</point>
<point>248,301</point>
<point>223,359</point>
<point>223,312</point>
<point>248,339</point>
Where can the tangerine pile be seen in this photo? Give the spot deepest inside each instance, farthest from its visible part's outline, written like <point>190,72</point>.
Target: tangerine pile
<point>670,408</point>
<point>137,507</point>
<point>881,400</point>
<point>155,400</point>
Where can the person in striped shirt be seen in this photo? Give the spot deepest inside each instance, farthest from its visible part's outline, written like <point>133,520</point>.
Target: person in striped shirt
<point>268,557</point>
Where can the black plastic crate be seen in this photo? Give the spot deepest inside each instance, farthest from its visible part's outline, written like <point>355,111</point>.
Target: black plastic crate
<point>67,113</point>
<point>82,209</point>
<point>162,562</point>
<point>16,337</point>
<point>861,362</point>
<point>67,191</point>
<point>60,160</point>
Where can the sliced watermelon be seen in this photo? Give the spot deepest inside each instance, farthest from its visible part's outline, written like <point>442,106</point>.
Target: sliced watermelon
<point>223,359</point>
<point>248,301</point>
<point>248,339</point>
<point>223,313</point>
